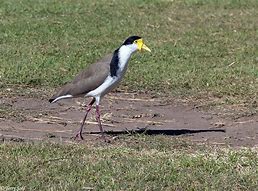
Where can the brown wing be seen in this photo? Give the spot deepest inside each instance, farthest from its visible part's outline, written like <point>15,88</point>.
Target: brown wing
<point>87,80</point>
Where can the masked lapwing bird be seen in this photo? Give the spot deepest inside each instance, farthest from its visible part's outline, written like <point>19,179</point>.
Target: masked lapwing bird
<point>100,78</point>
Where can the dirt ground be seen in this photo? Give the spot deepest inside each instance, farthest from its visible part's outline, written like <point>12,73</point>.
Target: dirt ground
<point>122,113</point>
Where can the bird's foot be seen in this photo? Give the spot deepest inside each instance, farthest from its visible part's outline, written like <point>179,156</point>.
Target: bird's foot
<point>103,137</point>
<point>78,136</point>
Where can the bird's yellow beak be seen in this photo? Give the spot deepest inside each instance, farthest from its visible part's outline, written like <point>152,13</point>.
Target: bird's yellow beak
<point>141,45</point>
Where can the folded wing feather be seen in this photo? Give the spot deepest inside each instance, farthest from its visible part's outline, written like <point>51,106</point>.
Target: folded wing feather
<point>87,80</point>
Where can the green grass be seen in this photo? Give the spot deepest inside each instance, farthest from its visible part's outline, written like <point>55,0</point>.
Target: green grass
<point>136,163</point>
<point>204,49</point>
<point>193,43</point>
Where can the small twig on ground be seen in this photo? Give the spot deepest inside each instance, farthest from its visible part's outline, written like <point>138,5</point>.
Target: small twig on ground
<point>231,64</point>
<point>242,122</point>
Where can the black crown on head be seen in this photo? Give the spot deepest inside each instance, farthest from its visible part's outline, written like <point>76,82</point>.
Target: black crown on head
<point>131,39</point>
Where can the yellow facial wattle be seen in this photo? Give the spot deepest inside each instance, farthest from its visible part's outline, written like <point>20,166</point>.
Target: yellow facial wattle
<point>141,45</point>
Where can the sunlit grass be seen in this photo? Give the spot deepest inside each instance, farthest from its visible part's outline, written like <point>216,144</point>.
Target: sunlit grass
<point>135,163</point>
<point>198,47</point>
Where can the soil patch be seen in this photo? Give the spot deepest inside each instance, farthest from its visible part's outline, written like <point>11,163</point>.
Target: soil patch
<point>25,119</point>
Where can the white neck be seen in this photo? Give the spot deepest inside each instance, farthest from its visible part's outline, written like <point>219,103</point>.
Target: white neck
<point>124,55</point>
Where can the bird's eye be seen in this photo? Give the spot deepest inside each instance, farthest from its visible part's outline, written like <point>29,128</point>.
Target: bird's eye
<point>136,41</point>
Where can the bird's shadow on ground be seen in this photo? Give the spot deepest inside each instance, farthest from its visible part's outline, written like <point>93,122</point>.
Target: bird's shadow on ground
<point>169,132</point>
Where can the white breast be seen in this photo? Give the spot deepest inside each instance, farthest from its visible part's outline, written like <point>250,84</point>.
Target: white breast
<point>110,83</point>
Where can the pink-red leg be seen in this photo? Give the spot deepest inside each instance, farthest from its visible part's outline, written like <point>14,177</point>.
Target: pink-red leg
<point>99,122</point>
<point>79,134</point>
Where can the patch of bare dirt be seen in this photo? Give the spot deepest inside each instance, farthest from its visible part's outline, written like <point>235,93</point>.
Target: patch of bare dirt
<point>25,119</point>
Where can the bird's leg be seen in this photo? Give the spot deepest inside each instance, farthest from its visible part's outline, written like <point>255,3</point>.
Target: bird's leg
<point>79,134</point>
<point>99,122</point>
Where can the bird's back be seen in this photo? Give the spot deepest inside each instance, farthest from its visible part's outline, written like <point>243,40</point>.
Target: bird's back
<point>87,80</point>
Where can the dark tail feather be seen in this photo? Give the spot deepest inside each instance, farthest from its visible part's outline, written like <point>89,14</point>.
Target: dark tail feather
<point>51,100</point>
<point>55,98</point>
<point>63,92</point>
